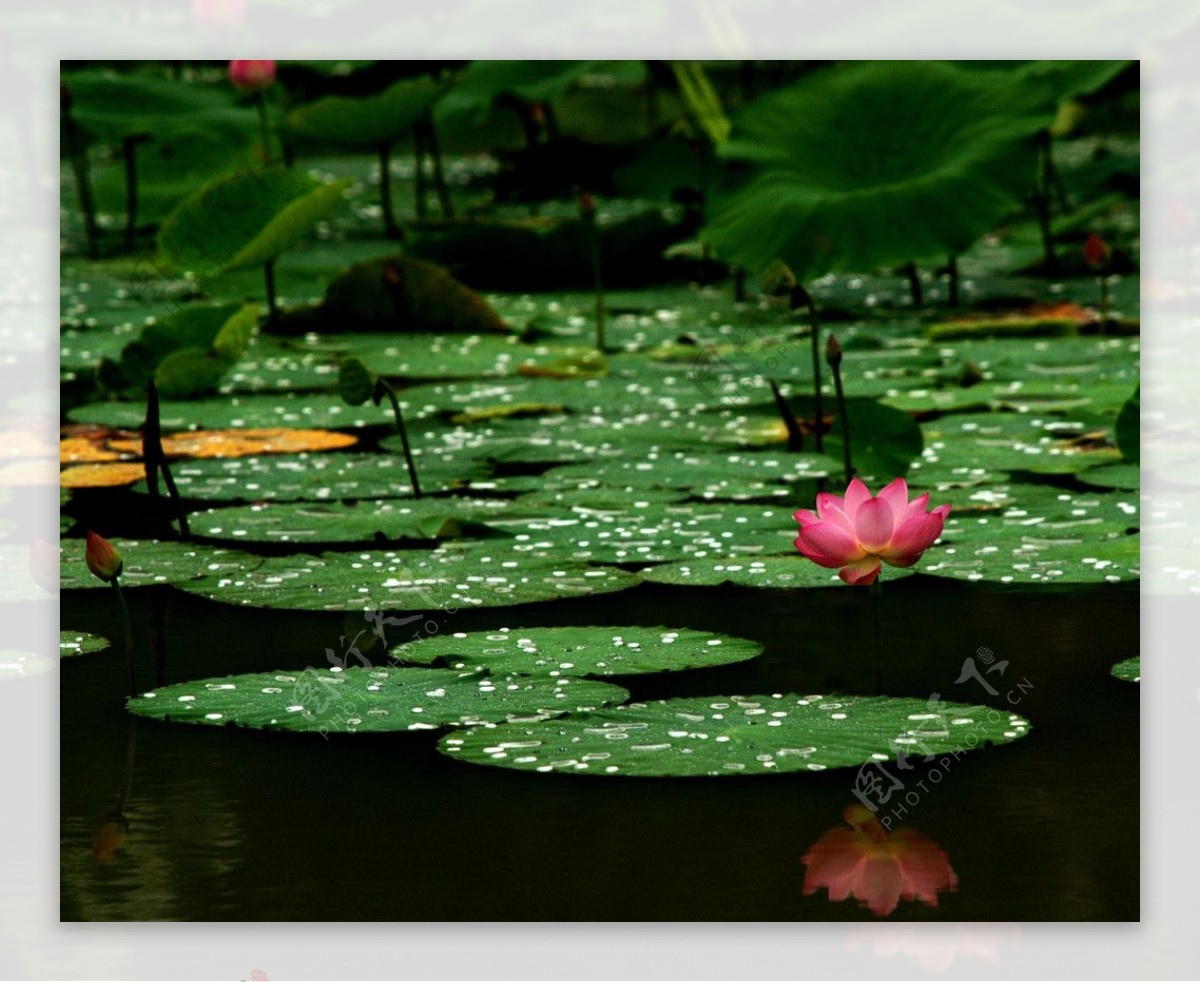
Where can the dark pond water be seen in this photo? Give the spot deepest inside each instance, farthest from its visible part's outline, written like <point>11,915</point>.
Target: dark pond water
<point>235,825</point>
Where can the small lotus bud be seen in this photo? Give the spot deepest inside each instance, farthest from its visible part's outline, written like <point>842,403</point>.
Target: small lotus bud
<point>252,76</point>
<point>833,352</point>
<point>537,114</point>
<point>102,558</point>
<point>1096,252</point>
<point>587,205</point>
<point>356,383</point>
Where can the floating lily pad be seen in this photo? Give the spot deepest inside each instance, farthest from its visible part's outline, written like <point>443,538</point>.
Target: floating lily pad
<point>362,521</point>
<point>314,477</point>
<point>1016,441</point>
<point>243,442</point>
<point>761,572</point>
<point>580,650</point>
<point>719,736</point>
<point>443,580</point>
<point>147,562</point>
<point>1126,477</point>
<point>80,643</point>
<point>371,700</point>
<point>116,474</point>
<point>1129,670</point>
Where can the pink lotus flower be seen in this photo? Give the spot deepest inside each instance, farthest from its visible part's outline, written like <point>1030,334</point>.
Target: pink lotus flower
<point>857,532</point>
<point>252,76</point>
<point>877,869</point>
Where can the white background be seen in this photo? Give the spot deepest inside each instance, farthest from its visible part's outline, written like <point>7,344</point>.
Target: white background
<point>1164,36</point>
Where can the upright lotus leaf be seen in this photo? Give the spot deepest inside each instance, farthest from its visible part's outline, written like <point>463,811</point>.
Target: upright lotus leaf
<point>364,699</point>
<point>246,218</point>
<point>722,736</point>
<point>111,108</point>
<point>876,163</point>
<point>367,120</point>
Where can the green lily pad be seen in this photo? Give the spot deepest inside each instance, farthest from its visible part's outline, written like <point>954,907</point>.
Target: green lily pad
<point>1129,670</point>
<point>313,477</point>
<point>759,572</point>
<point>580,650</point>
<point>720,736</point>
<point>361,521</point>
<point>367,120</point>
<point>147,562</point>
<point>408,580</point>
<point>370,700</point>
<point>1017,441</point>
<point>1125,477</point>
<point>80,643</point>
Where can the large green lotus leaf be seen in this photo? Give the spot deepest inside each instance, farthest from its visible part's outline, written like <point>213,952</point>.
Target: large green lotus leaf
<point>194,325</point>
<point>442,580</point>
<point>587,501</point>
<point>720,736</point>
<point>1129,670</point>
<point>147,562</point>
<point>367,120</point>
<point>1090,358</point>
<point>305,410</point>
<point>700,472</point>
<point>80,643</point>
<point>876,163</point>
<point>371,700</point>
<point>361,521</point>
<point>112,108</point>
<point>580,650</point>
<point>246,218</point>
<point>1098,398</point>
<point>1126,477</point>
<point>1019,442</point>
<point>655,533</point>
<point>312,477</point>
<point>762,573</point>
<point>1048,535</point>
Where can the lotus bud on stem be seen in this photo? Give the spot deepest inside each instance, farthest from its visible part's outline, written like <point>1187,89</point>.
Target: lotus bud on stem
<point>105,562</point>
<point>256,77</point>
<point>587,211</point>
<point>1097,254</point>
<point>833,355</point>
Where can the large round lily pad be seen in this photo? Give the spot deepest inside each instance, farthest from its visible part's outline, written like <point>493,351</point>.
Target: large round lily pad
<point>370,700</point>
<point>580,650</point>
<point>147,562</point>
<point>442,580</point>
<point>759,572</point>
<point>360,521</point>
<point>718,736</point>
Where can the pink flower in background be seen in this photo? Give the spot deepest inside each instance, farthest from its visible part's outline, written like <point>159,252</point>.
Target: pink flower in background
<point>877,869</point>
<point>855,533</point>
<point>252,76</point>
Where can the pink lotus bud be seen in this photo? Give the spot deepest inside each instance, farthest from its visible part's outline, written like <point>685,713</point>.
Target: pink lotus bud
<point>833,352</point>
<point>1096,252</point>
<point>857,533</point>
<point>102,558</point>
<point>252,76</point>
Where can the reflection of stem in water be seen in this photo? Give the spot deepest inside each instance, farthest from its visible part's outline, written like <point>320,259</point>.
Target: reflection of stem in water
<point>876,593</point>
<point>402,430</point>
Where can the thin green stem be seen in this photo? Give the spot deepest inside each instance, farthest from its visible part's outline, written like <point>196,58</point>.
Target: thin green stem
<point>1042,204</point>
<point>156,459</point>
<point>127,628</point>
<point>952,276</point>
<point>129,149</point>
<point>594,236</point>
<point>419,174</point>
<point>795,434</point>
<point>914,284</point>
<point>844,419</point>
<point>390,229</point>
<point>400,428</point>
<point>439,176</point>
<point>83,182</point>
<point>260,101</point>
<point>799,296</point>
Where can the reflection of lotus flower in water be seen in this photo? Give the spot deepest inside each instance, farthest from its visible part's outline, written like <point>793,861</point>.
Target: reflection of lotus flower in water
<point>877,868</point>
<point>858,531</point>
<point>109,837</point>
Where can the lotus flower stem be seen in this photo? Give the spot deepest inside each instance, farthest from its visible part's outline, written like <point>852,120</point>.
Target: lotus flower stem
<point>439,177</point>
<point>127,629</point>
<point>833,355</point>
<point>79,163</point>
<point>269,279</point>
<point>795,434</point>
<point>914,284</point>
<point>1041,200</point>
<point>156,459</point>
<point>799,296</point>
<point>419,172</point>
<point>390,229</point>
<point>260,102</point>
<point>400,428</point>
<point>952,278</point>
<point>587,211</point>
<point>129,148</point>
